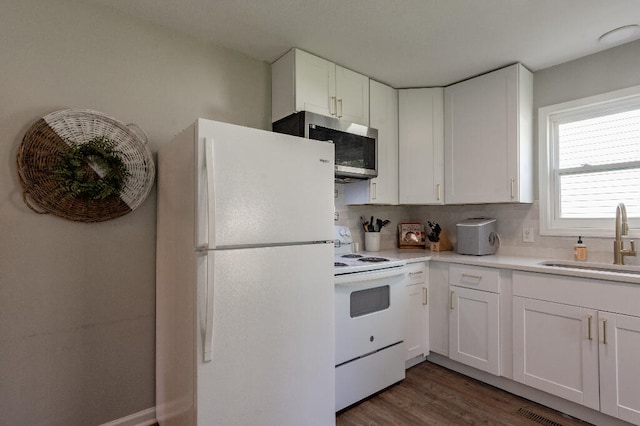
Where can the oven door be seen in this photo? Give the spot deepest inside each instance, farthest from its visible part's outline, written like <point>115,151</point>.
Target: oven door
<point>370,312</point>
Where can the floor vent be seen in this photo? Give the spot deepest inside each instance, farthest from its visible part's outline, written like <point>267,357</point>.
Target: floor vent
<point>537,418</point>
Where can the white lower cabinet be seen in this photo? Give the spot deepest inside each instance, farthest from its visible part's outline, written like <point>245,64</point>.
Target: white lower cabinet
<point>619,352</point>
<point>439,308</point>
<point>474,317</point>
<point>587,355</point>
<point>417,332</point>
<point>474,328</point>
<point>553,350</point>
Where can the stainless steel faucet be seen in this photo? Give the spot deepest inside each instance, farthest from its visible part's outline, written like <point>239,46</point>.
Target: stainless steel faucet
<point>622,228</point>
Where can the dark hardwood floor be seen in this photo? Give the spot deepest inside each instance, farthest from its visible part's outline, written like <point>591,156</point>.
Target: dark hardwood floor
<point>434,395</point>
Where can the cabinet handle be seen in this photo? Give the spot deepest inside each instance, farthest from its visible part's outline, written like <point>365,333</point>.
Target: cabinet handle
<point>513,184</point>
<point>589,327</point>
<point>335,107</point>
<point>451,300</point>
<point>425,296</point>
<point>438,192</point>
<point>340,103</point>
<point>374,191</point>
<point>473,277</point>
<point>412,274</point>
<point>604,331</point>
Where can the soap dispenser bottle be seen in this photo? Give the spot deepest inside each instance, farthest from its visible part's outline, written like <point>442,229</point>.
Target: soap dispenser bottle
<point>580,250</point>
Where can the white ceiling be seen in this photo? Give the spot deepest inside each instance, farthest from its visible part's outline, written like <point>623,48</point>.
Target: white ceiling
<point>404,43</point>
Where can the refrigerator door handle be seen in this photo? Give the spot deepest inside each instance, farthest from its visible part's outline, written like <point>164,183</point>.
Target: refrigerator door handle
<point>209,232</point>
<point>208,325</point>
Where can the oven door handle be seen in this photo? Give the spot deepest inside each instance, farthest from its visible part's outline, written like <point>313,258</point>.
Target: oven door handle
<point>357,279</point>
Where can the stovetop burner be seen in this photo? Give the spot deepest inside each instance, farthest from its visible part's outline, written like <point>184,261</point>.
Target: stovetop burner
<point>347,262</point>
<point>373,259</point>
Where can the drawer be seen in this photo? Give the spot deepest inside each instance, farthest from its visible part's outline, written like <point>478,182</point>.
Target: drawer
<point>476,277</point>
<point>417,274</point>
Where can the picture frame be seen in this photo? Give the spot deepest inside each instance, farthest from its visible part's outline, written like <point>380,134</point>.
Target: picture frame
<point>411,235</point>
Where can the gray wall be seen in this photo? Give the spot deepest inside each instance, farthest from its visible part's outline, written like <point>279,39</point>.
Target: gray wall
<point>77,300</point>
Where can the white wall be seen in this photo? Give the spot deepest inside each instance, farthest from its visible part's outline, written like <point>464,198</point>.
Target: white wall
<point>77,300</point>
<point>609,70</point>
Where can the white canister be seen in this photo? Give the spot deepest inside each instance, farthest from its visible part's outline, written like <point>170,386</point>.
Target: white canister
<point>372,241</point>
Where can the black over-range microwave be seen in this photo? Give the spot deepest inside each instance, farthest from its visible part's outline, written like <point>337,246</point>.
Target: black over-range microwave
<point>356,146</point>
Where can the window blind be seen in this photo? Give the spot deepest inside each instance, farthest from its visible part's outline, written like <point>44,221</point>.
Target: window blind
<point>599,165</point>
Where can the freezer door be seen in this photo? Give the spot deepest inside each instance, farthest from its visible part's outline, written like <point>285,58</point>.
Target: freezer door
<point>261,188</point>
<point>272,356</point>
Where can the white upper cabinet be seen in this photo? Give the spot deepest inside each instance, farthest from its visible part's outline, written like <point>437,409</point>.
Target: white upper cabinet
<point>304,82</point>
<point>384,118</point>
<point>488,138</point>
<point>420,141</point>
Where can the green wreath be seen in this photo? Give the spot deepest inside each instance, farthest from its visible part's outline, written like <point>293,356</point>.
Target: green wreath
<point>92,170</point>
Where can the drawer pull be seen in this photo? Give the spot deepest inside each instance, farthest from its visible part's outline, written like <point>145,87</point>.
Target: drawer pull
<point>589,327</point>
<point>411,274</point>
<point>425,296</point>
<point>475,277</point>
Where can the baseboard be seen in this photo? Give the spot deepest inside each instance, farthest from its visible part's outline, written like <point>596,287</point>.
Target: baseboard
<point>141,418</point>
<point>414,361</point>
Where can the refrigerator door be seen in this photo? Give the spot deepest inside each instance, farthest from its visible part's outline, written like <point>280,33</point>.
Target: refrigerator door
<point>260,188</point>
<point>272,357</point>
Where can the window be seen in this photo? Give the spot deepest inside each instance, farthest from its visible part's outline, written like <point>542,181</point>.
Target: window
<point>589,162</point>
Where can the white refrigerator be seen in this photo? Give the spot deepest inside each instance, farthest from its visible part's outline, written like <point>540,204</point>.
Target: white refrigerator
<point>244,279</point>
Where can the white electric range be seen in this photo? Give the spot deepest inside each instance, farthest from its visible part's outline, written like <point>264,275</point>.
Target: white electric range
<point>370,297</point>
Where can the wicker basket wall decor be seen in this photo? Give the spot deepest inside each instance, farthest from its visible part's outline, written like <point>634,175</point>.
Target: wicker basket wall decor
<point>44,146</point>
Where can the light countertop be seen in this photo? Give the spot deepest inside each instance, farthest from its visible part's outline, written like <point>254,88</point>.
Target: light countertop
<point>627,274</point>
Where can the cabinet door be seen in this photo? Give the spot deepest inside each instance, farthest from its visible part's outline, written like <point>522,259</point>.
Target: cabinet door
<point>439,308</point>
<point>420,146</point>
<point>620,366</point>
<point>315,86</point>
<point>417,331</point>
<point>352,96</point>
<point>555,349</point>
<point>474,328</point>
<point>488,154</point>
<point>384,117</point>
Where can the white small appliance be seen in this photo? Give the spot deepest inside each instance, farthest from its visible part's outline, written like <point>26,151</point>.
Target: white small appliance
<point>370,298</point>
<point>245,292</point>
<point>477,236</point>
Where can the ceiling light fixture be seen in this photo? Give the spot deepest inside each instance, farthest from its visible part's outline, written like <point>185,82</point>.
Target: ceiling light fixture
<point>620,35</point>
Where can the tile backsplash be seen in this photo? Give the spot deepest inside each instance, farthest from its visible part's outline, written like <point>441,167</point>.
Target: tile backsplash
<point>511,219</point>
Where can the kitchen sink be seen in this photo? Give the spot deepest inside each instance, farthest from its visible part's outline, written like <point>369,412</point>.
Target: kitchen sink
<point>598,267</point>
